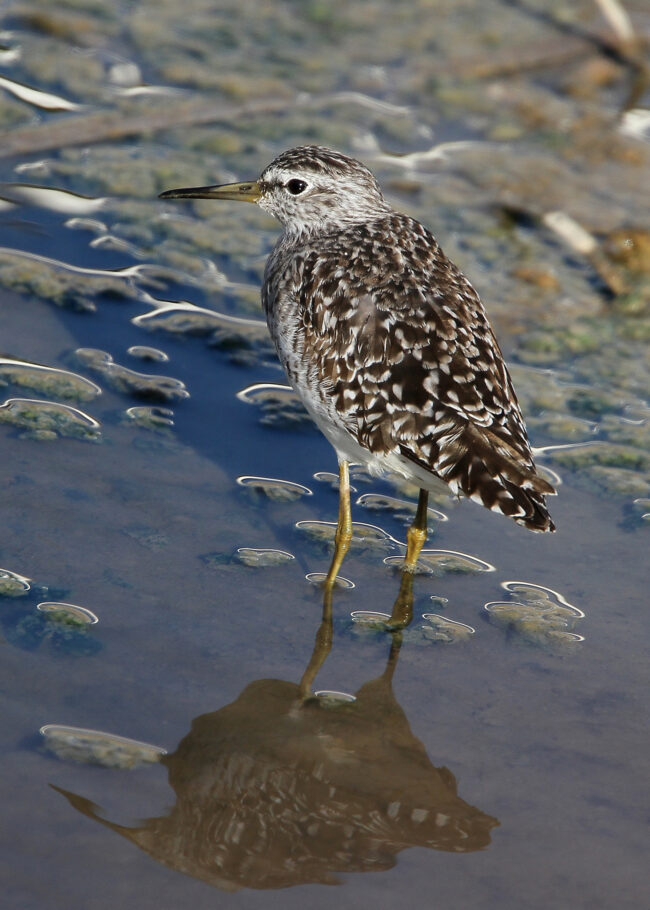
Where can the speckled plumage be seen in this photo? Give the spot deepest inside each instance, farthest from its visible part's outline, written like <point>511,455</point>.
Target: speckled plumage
<point>387,343</point>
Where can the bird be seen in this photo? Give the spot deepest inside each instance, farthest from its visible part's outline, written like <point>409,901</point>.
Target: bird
<point>386,343</point>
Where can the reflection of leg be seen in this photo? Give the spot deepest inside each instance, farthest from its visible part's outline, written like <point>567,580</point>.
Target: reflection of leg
<point>395,645</point>
<point>403,607</point>
<point>344,525</point>
<point>322,645</point>
<point>417,533</point>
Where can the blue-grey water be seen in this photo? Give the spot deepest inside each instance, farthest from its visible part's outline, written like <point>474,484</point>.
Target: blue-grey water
<point>502,767</point>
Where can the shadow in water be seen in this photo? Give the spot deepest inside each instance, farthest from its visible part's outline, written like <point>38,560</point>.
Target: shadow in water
<point>285,787</point>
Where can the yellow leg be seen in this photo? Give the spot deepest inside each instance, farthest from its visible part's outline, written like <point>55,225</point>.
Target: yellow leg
<point>416,536</point>
<point>417,533</point>
<point>344,525</point>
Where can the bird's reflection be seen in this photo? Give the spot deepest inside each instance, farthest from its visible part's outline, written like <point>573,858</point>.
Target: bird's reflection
<point>283,787</point>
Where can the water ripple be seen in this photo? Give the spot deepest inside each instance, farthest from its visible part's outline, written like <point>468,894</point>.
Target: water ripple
<point>441,628</point>
<point>141,271</point>
<point>95,747</point>
<point>57,200</point>
<point>112,242</point>
<point>181,317</point>
<point>48,419</point>
<point>540,615</point>
<point>68,612</point>
<point>144,352</point>
<point>539,594</point>
<point>442,562</point>
<point>138,91</point>
<point>37,98</point>
<point>151,417</point>
<point>263,557</point>
<point>273,488</point>
<point>318,578</point>
<point>123,379</point>
<point>402,508</point>
<point>375,105</point>
<point>443,150</point>
<point>47,380</point>
<point>371,619</point>
<point>9,55</point>
<point>279,404</point>
<point>330,698</point>
<point>641,507</point>
<point>93,225</point>
<point>12,584</point>
<point>364,536</point>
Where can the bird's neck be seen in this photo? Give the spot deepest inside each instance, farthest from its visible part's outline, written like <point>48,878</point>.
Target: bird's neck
<point>299,232</point>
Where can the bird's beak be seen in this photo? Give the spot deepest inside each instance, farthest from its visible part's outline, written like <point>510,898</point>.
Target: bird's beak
<point>244,192</point>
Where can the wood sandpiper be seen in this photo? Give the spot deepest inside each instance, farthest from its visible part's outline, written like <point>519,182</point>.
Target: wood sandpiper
<point>387,343</point>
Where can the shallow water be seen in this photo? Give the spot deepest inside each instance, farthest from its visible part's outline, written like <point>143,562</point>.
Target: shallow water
<point>499,767</point>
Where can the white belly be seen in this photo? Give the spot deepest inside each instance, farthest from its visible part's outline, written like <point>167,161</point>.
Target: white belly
<point>348,449</point>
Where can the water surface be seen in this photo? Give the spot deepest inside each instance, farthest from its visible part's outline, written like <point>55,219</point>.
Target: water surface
<point>144,487</point>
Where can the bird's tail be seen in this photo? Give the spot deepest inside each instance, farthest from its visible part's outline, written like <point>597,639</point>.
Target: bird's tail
<point>526,505</point>
<point>480,465</point>
<point>492,472</point>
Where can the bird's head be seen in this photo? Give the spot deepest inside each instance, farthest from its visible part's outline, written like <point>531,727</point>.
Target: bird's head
<point>310,190</point>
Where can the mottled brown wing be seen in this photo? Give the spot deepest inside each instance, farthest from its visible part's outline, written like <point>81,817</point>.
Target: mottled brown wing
<point>403,342</point>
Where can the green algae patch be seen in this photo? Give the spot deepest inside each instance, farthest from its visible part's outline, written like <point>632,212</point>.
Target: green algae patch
<point>262,558</point>
<point>54,383</point>
<point>95,747</point>
<point>537,615</point>
<point>46,420</point>
<point>12,584</point>
<point>56,283</point>
<point>156,419</point>
<point>123,379</point>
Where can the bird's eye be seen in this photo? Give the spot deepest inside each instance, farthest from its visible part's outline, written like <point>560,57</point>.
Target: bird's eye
<point>296,187</point>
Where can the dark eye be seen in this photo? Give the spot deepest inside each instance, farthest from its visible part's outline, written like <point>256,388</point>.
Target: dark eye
<point>296,187</point>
